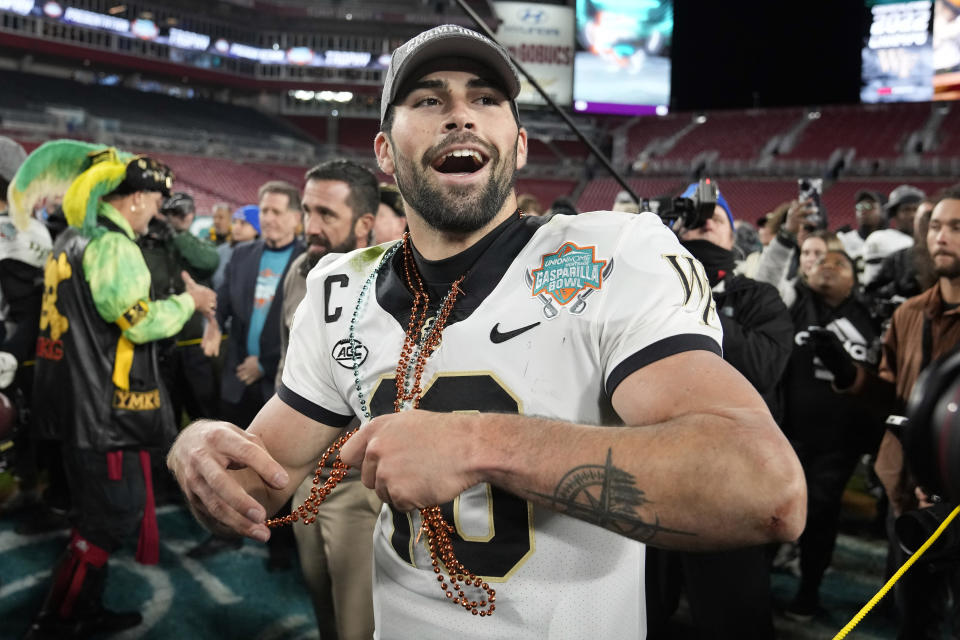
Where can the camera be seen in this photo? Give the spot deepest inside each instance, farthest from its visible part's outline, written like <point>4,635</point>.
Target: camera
<point>692,212</point>
<point>931,442</point>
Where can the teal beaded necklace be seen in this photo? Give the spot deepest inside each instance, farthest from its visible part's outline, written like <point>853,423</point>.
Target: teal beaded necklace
<point>368,284</point>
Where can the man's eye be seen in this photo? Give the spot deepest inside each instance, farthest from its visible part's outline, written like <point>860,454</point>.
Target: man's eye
<point>426,102</point>
<point>489,100</point>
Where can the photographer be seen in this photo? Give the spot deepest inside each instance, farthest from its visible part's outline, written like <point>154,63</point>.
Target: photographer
<point>757,339</point>
<point>169,248</point>
<point>923,328</point>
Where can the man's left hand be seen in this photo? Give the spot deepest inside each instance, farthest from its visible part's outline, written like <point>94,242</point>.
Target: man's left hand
<point>249,370</point>
<point>414,459</point>
<point>827,346</point>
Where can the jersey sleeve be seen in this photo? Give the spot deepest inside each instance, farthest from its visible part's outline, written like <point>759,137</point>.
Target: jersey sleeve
<point>307,381</point>
<point>659,303</point>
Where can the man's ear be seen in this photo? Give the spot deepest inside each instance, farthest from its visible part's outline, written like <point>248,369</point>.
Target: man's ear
<point>521,148</point>
<point>383,149</point>
<point>362,228</point>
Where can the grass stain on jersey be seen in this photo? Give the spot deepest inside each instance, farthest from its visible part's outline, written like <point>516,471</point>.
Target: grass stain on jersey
<point>363,259</point>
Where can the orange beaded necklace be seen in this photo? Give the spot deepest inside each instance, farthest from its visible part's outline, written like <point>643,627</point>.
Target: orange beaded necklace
<point>418,345</point>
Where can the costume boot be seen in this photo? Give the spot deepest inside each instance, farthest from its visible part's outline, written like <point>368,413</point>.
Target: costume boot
<point>73,607</point>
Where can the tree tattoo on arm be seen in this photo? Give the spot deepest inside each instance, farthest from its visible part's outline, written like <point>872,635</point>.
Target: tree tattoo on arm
<point>607,496</point>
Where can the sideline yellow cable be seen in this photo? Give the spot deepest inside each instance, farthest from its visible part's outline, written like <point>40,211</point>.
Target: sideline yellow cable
<point>899,574</point>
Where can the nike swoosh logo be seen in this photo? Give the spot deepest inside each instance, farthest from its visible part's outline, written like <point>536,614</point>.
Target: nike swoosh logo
<point>496,337</point>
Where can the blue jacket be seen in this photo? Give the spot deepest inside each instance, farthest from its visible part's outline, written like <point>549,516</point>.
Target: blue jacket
<point>235,302</point>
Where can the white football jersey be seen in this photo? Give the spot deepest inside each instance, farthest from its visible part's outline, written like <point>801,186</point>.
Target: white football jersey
<point>552,317</point>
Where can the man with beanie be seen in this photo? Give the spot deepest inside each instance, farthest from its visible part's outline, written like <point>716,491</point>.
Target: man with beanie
<point>500,367</point>
<point>96,357</point>
<point>244,228</point>
<point>728,591</point>
<point>902,207</point>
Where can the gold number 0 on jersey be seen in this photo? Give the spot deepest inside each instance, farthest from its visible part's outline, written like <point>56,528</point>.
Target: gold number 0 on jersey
<point>509,540</point>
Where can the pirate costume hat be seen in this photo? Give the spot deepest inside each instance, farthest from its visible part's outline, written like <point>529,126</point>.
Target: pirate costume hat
<point>83,172</point>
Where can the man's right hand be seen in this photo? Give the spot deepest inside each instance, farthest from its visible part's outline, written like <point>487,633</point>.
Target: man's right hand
<point>209,460</point>
<point>204,298</point>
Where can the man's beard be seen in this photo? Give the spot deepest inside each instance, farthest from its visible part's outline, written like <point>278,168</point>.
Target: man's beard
<point>313,257</point>
<point>950,270</point>
<point>459,210</point>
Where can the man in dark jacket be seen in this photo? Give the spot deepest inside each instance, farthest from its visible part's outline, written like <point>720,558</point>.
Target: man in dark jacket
<point>169,248</point>
<point>828,431</point>
<point>757,340</point>
<point>252,299</point>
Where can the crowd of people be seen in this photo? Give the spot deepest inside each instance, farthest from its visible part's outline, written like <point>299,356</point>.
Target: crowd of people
<point>635,409</point>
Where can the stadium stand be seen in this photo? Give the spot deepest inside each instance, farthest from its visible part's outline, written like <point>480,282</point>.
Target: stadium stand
<point>357,133</point>
<point>546,191</point>
<point>539,151</point>
<point>33,92</point>
<point>600,193</point>
<point>750,199</point>
<point>875,131</point>
<point>734,135</point>
<point>641,133</point>
<point>313,126</point>
<point>949,138</point>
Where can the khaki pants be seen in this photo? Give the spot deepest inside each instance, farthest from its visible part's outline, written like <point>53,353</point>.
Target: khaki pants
<point>336,557</point>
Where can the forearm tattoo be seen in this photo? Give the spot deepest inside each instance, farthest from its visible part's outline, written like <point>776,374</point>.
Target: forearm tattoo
<point>607,496</point>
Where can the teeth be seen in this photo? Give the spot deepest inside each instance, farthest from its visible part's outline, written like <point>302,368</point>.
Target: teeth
<point>465,153</point>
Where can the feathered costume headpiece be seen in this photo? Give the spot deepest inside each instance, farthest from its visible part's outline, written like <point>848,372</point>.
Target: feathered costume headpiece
<point>83,173</point>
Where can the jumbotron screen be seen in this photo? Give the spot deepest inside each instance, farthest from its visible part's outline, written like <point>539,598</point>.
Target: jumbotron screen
<point>622,62</point>
<point>912,53</point>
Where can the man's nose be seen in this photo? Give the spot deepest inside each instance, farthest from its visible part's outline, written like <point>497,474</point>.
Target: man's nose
<point>459,116</point>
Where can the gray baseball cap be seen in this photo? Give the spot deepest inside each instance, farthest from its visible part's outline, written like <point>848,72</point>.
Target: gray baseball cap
<point>446,41</point>
<point>12,156</point>
<point>904,194</point>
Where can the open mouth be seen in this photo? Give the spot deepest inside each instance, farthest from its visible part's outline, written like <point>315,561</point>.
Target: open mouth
<point>460,161</point>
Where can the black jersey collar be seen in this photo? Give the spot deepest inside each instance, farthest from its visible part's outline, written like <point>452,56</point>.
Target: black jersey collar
<point>484,262</point>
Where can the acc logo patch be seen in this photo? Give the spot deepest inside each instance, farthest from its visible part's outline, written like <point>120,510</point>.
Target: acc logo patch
<point>343,352</point>
<point>568,272</point>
